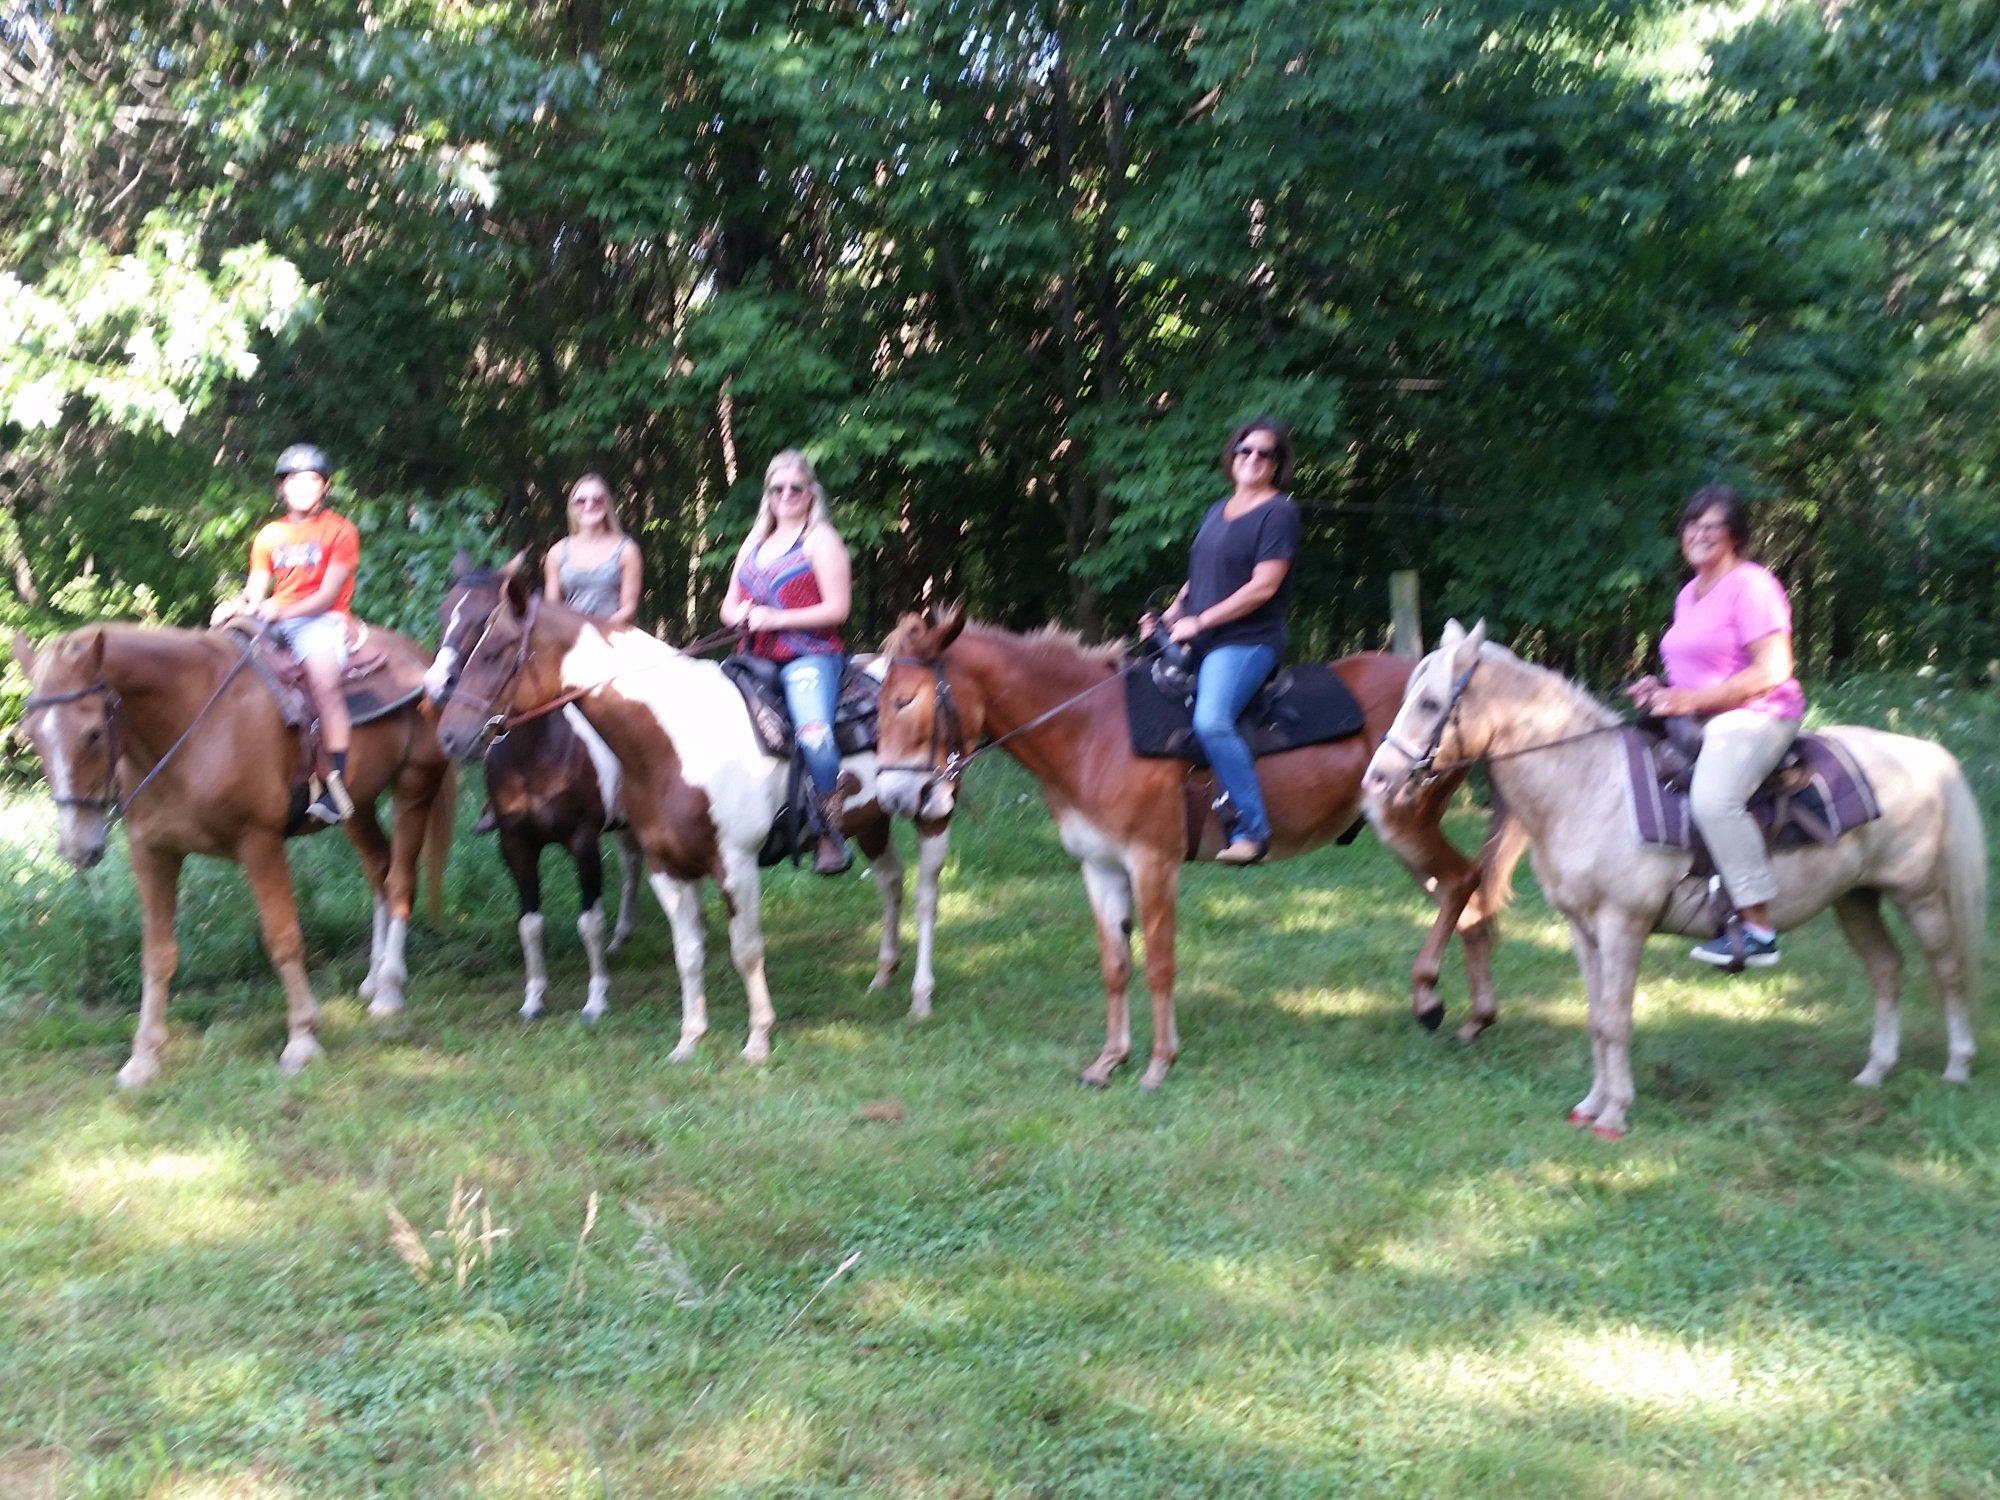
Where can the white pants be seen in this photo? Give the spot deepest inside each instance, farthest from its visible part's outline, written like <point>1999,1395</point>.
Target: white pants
<point>1738,750</point>
<point>314,635</point>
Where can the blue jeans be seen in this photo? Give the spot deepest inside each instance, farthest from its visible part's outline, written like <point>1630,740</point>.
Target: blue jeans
<point>812,691</point>
<point>1229,676</point>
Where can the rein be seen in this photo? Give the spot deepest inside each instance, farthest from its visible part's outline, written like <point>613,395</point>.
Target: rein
<point>948,762</point>
<point>111,802</point>
<point>1424,763</point>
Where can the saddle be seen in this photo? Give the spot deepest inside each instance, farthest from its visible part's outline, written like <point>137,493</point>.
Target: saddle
<point>800,821</point>
<point>1817,793</point>
<point>384,673</point>
<point>1306,704</point>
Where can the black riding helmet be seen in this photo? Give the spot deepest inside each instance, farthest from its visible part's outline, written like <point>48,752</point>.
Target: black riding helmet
<point>304,458</point>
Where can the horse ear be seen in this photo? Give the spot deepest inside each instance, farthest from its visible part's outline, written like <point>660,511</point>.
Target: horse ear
<point>948,621</point>
<point>1454,634</point>
<point>24,652</point>
<point>1467,650</point>
<point>93,654</point>
<point>516,590</point>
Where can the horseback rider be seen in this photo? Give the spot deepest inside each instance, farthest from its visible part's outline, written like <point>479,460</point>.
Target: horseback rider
<point>596,569</point>
<point>791,589</point>
<point>1231,611</point>
<point>1728,658</point>
<point>301,583</point>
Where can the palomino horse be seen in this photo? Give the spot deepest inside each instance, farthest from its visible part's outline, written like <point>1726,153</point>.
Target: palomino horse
<point>699,791</point>
<point>172,730</point>
<point>1560,772</point>
<point>1053,703</point>
<point>551,781</point>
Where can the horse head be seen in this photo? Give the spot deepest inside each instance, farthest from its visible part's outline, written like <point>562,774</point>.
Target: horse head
<point>924,724</point>
<point>71,719</point>
<point>1432,712</point>
<point>473,593</point>
<point>496,672</point>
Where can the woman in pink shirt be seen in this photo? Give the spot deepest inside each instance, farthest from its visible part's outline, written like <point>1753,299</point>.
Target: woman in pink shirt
<point>1728,657</point>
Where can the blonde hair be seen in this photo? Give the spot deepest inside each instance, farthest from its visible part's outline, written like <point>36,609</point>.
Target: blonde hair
<point>767,519</point>
<point>610,504</point>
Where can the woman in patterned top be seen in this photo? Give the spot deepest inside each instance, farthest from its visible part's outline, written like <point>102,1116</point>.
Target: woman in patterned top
<point>791,590</point>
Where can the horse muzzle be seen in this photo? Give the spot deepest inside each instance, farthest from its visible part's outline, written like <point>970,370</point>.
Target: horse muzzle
<point>81,839</point>
<point>1392,776</point>
<point>913,794</point>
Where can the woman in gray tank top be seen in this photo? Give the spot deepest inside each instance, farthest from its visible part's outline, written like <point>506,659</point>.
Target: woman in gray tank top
<point>595,569</point>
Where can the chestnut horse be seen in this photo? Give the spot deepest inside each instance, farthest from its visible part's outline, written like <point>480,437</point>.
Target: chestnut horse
<point>700,792</point>
<point>173,731</point>
<point>1559,767</point>
<point>1055,705</point>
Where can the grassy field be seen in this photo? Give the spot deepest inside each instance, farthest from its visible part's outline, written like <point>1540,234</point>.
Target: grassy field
<point>1336,1254</point>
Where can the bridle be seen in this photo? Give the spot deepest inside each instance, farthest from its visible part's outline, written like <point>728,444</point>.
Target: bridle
<point>1423,763</point>
<point>110,803</point>
<point>498,721</point>
<point>948,757</point>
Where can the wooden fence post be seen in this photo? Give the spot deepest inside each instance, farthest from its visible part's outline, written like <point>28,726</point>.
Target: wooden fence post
<point>1406,632</point>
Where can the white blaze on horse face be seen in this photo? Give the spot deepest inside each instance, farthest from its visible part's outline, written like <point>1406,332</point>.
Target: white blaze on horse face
<point>702,715</point>
<point>439,675</point>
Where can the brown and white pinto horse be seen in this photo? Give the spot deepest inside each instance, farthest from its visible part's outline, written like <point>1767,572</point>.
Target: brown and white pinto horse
<point>550,781</point>
<point>1123,816</point>
<point>171,730</point>
<point>700,793</point>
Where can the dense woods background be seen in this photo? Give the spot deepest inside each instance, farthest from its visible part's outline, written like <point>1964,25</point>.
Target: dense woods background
<point>1519,275</point>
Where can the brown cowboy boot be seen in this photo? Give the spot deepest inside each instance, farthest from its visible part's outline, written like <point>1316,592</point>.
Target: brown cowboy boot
<point>832,856</point>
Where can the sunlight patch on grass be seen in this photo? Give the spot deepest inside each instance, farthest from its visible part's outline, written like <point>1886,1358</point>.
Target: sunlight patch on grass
<point>736,1452</point>
<point>161,1197</point>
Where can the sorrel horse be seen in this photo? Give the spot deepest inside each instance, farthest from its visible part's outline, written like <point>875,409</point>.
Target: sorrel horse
<point>551,781</point>
<point>698,789</point>
<point>173,731</point>
<point>1560,771</point>
<point>1053,703</point>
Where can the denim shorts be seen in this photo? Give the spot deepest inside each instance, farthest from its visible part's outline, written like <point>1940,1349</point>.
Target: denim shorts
<point>314,635</point>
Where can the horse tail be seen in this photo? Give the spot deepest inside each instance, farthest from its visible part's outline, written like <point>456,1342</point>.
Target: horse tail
<point>438,825</point>
<point>1965,873</point>
<point>1506,841</point>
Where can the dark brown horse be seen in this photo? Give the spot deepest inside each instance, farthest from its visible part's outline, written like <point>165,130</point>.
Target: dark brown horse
<point>550,781</point>
<point>1124,817</point>
<point>173,731</point>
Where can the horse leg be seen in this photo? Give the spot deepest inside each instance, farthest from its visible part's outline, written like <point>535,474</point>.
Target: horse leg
<point>1451,880</point>
<point>523,856</point>
<point>886,865</point>
<point>746,946</point>
<point>1860,916</point>
<point>1157,879</point>
<point>262,856</point>
<point>1110,891</point>
<point>1584,941</point>
<point>589,860</point>
<point>629,861</point>
<point>409,817</point>
<point>681,900</point>
<point>371,845</point>
<point>157,873</point>
<point>1929,916</point>
<point>931,851</point>
<point>1620,941</point>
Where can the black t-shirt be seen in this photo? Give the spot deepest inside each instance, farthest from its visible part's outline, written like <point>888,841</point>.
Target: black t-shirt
<point>1226,553</point>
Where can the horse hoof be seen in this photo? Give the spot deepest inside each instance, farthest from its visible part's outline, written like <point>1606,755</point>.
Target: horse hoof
<point>1579,1119</point>
<point>366,989</point>
<point>1433,1018</point>
<point>920,1010</point>
<point>756,1052</point>
<point>136,1074</point>
<point>1470,1032</point>
<point>1958,1073</point>
<point>1868,1078</point>
<point>590,1017</point>
<point>1095,1078</point>
<point>684,1051</point>
<point>297,1054</point>
<point>527,1015</point>
<point>1155,1075</point>
<point>1607,1132</point>
<point>384,1006</point>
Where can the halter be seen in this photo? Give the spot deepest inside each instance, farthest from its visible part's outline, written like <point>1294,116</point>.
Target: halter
<point>499,721</point>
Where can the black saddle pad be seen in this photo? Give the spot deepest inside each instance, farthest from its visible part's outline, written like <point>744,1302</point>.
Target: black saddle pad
<point>1303,705</point>
<point>764,695</point>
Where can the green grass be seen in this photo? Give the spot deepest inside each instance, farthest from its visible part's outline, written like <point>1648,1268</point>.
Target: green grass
<point>1336,1254</point>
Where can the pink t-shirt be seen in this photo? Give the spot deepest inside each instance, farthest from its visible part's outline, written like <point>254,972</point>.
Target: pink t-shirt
<point>1711,636</point>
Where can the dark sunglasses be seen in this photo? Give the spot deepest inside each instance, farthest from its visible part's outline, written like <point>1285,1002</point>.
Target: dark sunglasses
<point>1251,450</point>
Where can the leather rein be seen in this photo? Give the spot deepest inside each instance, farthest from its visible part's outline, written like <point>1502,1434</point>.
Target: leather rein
<point>1424,767</point>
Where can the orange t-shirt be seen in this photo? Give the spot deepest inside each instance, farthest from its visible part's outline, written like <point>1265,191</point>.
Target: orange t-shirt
<point>298,553</point>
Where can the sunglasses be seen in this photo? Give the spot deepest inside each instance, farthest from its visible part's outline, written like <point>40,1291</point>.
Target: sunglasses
<point>1703,528</point>
<point>786,487</point>
<point>579,500</point>
<point>1251,450</point>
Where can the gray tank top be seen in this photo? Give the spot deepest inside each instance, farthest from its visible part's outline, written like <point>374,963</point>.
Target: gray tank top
<point>591,591</point>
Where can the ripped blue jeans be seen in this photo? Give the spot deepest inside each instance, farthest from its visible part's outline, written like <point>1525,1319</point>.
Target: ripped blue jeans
<point>812,692</point>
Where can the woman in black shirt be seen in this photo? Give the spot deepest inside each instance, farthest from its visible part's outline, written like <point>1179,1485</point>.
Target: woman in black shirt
<point>1232,611</point>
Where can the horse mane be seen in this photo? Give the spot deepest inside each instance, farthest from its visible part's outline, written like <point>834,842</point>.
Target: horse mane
<point>1057,646</point>
<point>1553,683</point>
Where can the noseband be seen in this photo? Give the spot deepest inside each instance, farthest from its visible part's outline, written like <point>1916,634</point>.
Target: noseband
<point>114,719</point>
<point>948,758</point>
<point>498,720</point>
<point>1423,762</point>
